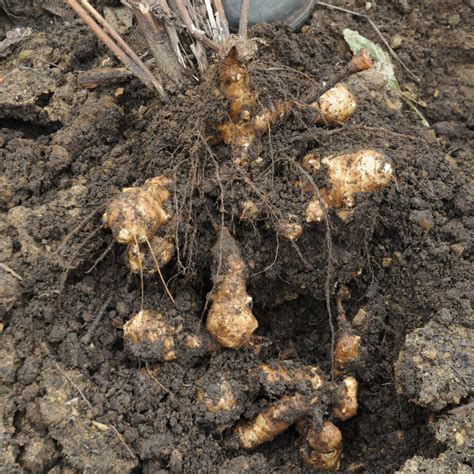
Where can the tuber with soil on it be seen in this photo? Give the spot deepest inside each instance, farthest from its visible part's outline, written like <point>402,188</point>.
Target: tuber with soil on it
<point>321,449</point>
<point>230,320</point>
<point>347,176</point>
<point>151,337</point>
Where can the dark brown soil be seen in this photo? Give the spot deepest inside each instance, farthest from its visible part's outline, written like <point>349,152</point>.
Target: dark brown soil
<point>72,399</point>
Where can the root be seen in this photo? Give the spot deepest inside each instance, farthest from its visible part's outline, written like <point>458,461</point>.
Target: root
<point>134,217</point>
<point>230,320</point>
<point>157,265</point>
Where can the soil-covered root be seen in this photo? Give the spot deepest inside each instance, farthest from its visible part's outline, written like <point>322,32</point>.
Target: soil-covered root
<point>347,176</point>
<point>137,213</point>
<point>230,320</point>
<point>321,449</point>
<point>151,336</point>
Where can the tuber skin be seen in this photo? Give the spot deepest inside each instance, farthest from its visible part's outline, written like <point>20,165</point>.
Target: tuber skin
<point>348,345</point>
<point>138,212</point>
<point>140,260</point>
<point>272,421</point>
<point>230,320</point>
<point>152,337</point>
<point>321,449</point>
<point>335,107</point>
<point>303,379</point>
<point>345,399</point>
<point>347,175</point>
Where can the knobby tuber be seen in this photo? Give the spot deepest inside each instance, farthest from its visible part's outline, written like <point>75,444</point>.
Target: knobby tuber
<point>290,376</point>
<point>348,345</point>
<point>138,212</point>
<point>347,175</point>
<point>134,217</point>
<point>141,259</point>
<point>322,449</point>
<point>152,337</point>
<point>230,320</point>
<point>245,125</point>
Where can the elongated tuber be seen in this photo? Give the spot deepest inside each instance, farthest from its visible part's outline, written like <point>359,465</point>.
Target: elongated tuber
<point>273,421</point>
<point>247,123</point>
<point>345,399</point>
<point>322,448</point>
<point>137,213</point>
<point>290,376</point>
<point>347,175</point>
<point>230,320</point>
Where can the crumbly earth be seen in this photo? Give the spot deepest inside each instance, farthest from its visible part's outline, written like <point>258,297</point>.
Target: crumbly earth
<point>73,399</point>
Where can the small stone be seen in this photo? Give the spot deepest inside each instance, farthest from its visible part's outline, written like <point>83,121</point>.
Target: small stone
<point>387,262</point>
<point>122,308</point>
<point>454,20</point>
<point>423,218</point>
<point>397,41</point>
<point>458,249</point>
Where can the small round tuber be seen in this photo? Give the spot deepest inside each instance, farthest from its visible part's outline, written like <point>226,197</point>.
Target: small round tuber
<point>347,350</point>
<point>336,106</point>
<point>321,449</point>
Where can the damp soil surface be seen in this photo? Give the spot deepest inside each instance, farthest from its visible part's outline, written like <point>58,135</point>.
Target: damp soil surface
<point>73,398</point>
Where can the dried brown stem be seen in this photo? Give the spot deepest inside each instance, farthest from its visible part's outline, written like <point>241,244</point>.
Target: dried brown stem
<point>221,18</point>
<point>115,43</point>
<point>158,39</point>
<point>196,33</point>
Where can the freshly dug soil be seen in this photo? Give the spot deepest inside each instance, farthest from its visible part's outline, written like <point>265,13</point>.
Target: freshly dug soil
<point>73,399</point>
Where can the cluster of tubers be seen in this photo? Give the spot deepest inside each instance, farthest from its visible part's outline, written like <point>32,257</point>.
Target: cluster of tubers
<point>141,219</point>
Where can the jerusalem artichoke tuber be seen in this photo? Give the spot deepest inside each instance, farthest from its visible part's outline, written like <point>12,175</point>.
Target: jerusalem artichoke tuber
<point>345,399</point>
<point>273,421</point>
<point>322,448</point>
<point>151,337</point>
<point>347,175</point>
<point>230,320</point>
<point>138,212</point>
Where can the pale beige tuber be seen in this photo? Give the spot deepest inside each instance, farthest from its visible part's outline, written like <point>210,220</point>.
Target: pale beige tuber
<point>230,320</point>
<point>347,175</point>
